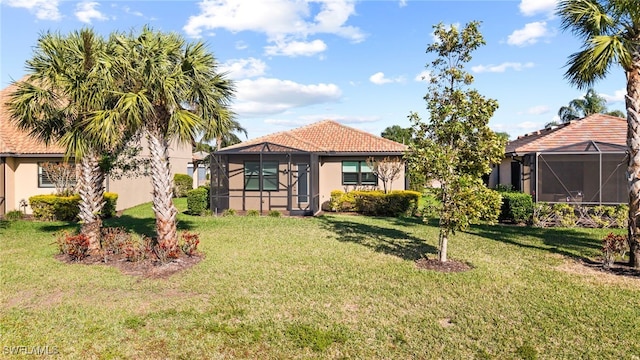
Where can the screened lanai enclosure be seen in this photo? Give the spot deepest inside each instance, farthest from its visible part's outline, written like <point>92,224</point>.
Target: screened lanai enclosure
<point>589,173</point>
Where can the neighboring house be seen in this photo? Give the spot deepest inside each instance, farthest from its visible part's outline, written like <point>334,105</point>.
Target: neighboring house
<point>295,171</point>
<point>583,161</point>
<point>22,175</point>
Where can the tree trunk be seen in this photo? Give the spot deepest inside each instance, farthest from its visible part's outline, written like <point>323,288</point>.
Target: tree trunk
<point>162,183</point>
<point>632,101</point>
<point>91,190</point>
<point>442,251</point>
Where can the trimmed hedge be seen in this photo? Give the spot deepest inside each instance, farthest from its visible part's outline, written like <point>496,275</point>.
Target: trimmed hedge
<point>53,207</point>
<point>516,207</point>
<point>109,208</point>
<point>66,208</point>
<point>182,183</point>
<point>376,202</point>
<point>198,200</point>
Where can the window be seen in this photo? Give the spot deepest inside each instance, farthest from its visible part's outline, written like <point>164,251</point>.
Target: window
<point>358,173</point>
<point>269,175</point>
<point>43,178</point>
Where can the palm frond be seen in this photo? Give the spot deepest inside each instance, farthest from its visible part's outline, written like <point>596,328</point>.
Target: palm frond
<point>585,18</point>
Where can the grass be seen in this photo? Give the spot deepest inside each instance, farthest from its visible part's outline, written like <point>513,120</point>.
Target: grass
<point>327,287</point>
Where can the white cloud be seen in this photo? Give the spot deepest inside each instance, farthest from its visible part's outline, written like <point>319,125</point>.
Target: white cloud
<point>243,68</point>
<point>128,10</point>
<point>529,125</point>
<point>379,79</point>
<point>241,45</point>
<point>529,35</point>
<point>287,23</point>
<point>533,7</point>
<point>271,96</point>
<point>538,110</point>
<point>87,10</point>
<point>43,9</point>
<point>501,68</point>
<point>296,48</point>
<point>424,75</point>
<point>403,3</point>
<point>618,96</point>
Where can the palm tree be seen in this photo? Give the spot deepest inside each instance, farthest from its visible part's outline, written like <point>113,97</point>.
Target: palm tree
<point>591,103</point>
<point>169,90</point>
<point>611,33</point>
<point>63,86</point>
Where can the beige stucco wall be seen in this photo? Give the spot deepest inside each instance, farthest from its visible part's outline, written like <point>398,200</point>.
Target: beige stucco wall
<point>331,177</point>
<point>133,191</point>
<point>21,181</point>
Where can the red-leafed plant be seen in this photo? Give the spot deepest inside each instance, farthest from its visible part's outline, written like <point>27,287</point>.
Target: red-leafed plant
<point>613,246</point>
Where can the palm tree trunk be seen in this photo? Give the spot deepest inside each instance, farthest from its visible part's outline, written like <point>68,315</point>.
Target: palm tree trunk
<point>91,190</point>
<point>633,169</point>
<point>162,183</point>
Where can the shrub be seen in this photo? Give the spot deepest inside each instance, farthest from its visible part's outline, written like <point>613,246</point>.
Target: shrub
<point>53,207</point>
<point>113,240</point>
<point>341,201</point>
<point>395,203</point>
<point>229,212</point>
<point>166,252</point>
<point>274,213</point>
<point>613,247</point>
<point>516,207</point>
<point>76,247</point>
<point>66,208</point>
<point>188,243</point>
<point>198,200</point>
<point>253,213</point>
<point>137,247</point>
<point>182,183</point>
<point>14,215</point>
<point>109,208</point>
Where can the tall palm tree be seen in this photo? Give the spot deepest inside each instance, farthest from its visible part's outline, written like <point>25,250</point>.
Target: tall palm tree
<point>65,83</point>
<point>590,103</point>
<point>611,33</point>
<point>170,91</point>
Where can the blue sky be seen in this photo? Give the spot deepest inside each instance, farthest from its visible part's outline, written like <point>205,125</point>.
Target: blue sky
<point>358,62</point>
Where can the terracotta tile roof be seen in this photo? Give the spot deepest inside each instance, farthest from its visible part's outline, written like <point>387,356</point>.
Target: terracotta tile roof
<point>598,128</point>
<point>15,141</point>
<point>324,136</point>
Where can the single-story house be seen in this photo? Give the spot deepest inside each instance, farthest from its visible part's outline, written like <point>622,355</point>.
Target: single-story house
<point>583,161</point>
<point>22,174</point>
<point>295,171</point>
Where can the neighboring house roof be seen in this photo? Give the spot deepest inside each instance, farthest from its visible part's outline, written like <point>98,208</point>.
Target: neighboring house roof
<point>14,141</point>
<point>326,136</point>
<point>597,128</point>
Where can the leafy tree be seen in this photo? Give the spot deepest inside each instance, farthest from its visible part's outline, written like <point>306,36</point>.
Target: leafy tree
<point>397,134</point>
<point>610,30</point>
<point>65,84</point>
<point>169,91</point>
<point>456,147</point>
<point>590,104</point>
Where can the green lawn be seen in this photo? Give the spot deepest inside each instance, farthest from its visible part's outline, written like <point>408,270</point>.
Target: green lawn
<point>327,287</point>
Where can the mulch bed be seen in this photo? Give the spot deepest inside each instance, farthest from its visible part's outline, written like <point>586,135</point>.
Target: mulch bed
<point>445,267</point>
<point>148,268</point>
